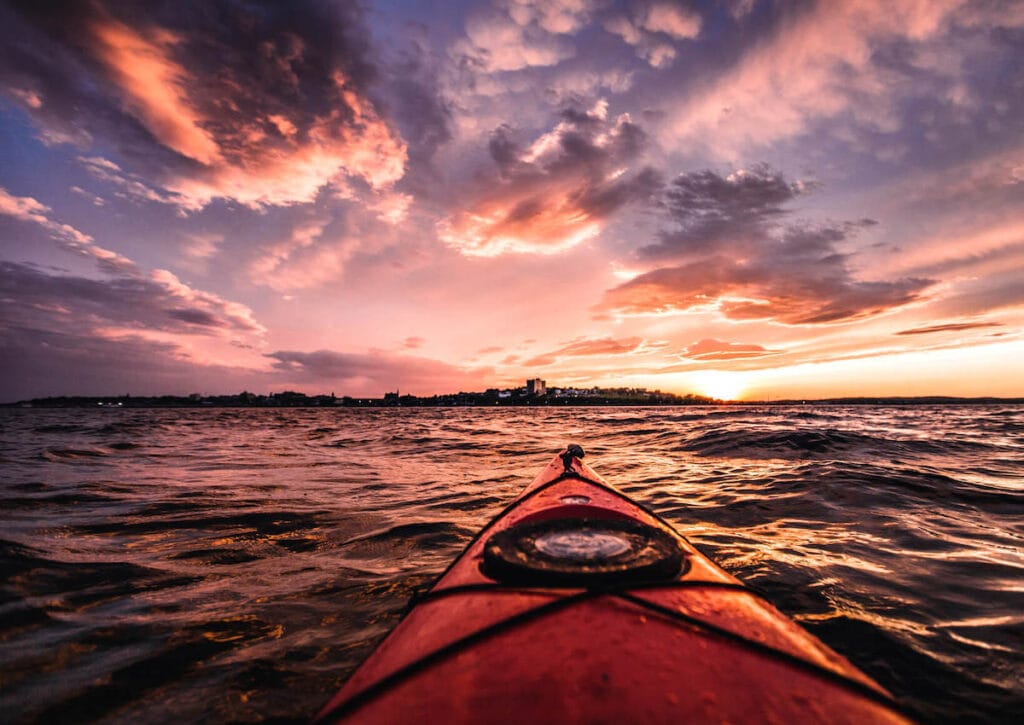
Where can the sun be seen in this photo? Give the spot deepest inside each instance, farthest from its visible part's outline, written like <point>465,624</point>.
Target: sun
<point>718,384</point>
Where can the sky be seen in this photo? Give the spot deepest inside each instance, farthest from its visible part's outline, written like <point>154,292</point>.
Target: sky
<point>744,199</point>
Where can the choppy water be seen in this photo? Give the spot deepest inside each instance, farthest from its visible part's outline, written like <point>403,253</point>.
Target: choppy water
<point>214,565</point>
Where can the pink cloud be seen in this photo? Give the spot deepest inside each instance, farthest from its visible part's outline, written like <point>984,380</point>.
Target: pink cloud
<point>523,34</point>
<point>820,64</point>
<point>154,86</point>
<point>198,249</point>
<point>318,251</point>
<point>711,349</point>
<point>741,291</point>
<point>646,27</point>
<point>263,169</point>
<point>274,258</point>
<point>731,251</point>
<point>672,20</point>
<point>588,347</point>
<point>205,305</point>
<point>242,108</point>
<point>555,193</point>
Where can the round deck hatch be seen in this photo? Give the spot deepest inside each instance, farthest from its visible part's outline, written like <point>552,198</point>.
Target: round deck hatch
<point>581,545</point>
<point>582,552</point>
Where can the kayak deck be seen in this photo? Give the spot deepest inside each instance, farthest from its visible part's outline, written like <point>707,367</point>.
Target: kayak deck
<point>691,646</point>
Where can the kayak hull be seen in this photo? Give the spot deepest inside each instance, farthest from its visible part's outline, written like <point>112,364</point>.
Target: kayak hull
<point>696,646</point>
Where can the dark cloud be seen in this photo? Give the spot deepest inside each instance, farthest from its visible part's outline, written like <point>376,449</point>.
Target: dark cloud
<point>38,363</point>
<point>376,370</point>
<point>62,334</point>
<point>71,304</point>
<point>950,327</point>
<point>552,193</point>
<point>44,68</point>
<point>505,150</point>
<point>260,101</point>
<point>711,349</point>
<point>730,247</point>
<point>196,317</point>
<point>710,211</point>
<point>818,291</point>
<point>416,103</point>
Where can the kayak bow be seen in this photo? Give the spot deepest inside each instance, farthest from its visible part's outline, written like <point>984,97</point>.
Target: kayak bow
<point>575,604</point>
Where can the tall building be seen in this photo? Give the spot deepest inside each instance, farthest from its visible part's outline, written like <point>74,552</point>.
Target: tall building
<point>535,386</point>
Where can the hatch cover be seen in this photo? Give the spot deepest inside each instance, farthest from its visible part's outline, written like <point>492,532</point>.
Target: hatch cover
<point>582,552</point>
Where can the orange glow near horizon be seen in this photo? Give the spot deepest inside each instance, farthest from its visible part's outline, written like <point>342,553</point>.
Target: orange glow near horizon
<point>990,370</point>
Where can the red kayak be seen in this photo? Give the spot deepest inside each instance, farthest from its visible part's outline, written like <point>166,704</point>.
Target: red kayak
<point>575,604</point>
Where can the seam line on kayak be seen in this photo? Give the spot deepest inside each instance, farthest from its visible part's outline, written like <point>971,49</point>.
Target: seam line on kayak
<point>879,696</point>
<point>410,669</point>
<point>406,671</point>
<point>559,591</point>
<point>626,593</point>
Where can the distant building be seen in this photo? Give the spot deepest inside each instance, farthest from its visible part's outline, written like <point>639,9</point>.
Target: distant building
<point>535,386</point>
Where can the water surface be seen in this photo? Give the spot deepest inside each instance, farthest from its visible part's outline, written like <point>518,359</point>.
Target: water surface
<point>213,565</point>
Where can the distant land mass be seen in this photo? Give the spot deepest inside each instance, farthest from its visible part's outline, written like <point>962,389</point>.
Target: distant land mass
<point>535,393</point>
<point>289,399</point>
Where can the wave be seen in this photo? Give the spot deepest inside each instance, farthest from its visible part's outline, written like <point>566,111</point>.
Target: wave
<point>820,443</point>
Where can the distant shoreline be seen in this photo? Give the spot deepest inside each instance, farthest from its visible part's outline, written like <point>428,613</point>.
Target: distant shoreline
<point>474,400</point>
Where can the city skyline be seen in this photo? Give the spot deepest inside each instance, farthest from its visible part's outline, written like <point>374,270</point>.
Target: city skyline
<point>740,200</point>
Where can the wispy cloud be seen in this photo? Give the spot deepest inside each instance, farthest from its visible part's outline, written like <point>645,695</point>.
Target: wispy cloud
<point>711,349</point>
<point>157,301</point>
<point>27,209</point>
<point>948,327</point>
<point>594,347</point>
<point>852,64</point>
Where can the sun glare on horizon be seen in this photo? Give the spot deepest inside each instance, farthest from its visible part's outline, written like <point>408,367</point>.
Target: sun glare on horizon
<point>718,384</point>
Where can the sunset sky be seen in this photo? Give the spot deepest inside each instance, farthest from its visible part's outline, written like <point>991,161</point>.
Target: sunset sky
<point>743,199</point>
